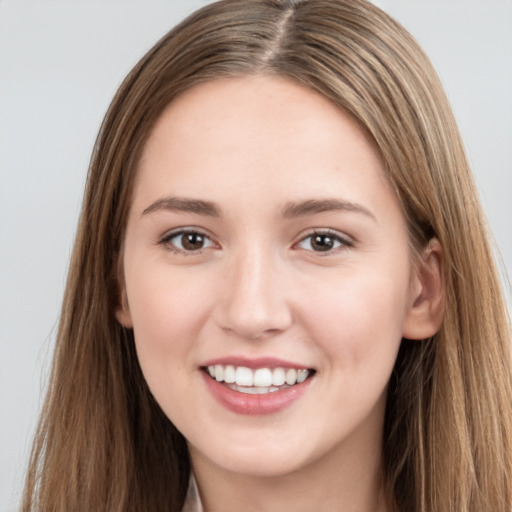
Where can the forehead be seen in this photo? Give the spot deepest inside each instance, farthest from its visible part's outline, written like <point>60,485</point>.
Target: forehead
<point>230,136</point>
<point>289,111</point>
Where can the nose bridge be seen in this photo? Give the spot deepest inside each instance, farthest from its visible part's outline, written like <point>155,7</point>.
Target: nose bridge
<point>254,303</point>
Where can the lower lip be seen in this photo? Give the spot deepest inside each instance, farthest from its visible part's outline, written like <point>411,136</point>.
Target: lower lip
<point>244,403</point>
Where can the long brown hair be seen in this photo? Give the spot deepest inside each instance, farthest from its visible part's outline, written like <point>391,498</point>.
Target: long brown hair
<point>104,444</point>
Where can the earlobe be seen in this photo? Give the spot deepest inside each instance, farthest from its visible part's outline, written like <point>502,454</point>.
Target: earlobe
<point>124,317</point>
<point>425,314</point>
<point>123,314</point>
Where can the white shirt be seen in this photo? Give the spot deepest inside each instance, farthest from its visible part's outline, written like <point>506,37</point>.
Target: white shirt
<point>193,500</point>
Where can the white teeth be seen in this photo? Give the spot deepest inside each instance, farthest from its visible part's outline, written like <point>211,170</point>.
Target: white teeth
<point>219,372</point>
<point>301,376</point>
<point>278,377</point>
<point>253,390</point>
<point>291,376</point>
<point>229,374</point>
<point>244,376</point>
<point>262,377</point>
<point>261,380</point>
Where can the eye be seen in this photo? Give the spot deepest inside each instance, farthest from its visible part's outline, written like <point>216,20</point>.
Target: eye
<point>324,241</point>
<point>187,241</point>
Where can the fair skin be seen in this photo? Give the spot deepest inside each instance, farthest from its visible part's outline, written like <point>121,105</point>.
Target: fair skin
<point>263,233</point>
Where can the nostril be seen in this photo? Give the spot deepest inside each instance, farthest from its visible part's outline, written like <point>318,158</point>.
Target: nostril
<point>252,333</point>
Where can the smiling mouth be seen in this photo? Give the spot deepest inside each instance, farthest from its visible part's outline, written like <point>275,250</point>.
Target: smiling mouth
<point>258,381</point>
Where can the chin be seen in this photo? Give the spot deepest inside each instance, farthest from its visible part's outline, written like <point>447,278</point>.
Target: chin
<point>255,459</point>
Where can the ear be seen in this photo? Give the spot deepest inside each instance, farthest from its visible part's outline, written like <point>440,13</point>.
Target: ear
<point>123,314</point>
<point>425,314</point>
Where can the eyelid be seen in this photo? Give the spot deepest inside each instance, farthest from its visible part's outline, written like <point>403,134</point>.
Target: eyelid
<point>344,240</point>
<point>168,236</point>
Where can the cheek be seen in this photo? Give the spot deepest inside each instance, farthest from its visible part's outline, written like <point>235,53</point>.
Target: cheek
<point>358,320</point>
<point>167,313</point>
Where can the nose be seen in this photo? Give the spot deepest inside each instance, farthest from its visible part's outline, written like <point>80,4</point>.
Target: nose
<point>252,303</point>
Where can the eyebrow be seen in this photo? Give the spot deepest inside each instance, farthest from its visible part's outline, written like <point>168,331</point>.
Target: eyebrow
<point>313,206</point>
<point>183,204</point>
<point>291,210</point>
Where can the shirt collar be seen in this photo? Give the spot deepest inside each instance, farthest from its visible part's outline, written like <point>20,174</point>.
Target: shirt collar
<point>193,500</point>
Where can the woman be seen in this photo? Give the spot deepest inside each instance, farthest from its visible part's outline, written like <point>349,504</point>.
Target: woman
<point>279,203</point>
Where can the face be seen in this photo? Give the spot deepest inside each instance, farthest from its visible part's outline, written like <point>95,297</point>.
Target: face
<point>267,276</point>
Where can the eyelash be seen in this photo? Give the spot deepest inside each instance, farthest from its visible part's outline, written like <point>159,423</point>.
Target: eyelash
<point>338,239</point>
<point>342,241</point>
<point>167,241</point>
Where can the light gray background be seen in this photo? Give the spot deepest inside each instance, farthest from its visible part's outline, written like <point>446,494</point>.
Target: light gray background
<point>60,64</point>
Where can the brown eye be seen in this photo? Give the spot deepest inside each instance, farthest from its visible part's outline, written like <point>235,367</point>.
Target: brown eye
<point>188,241</point>
<point>192,241</point>
<point>324,242</point>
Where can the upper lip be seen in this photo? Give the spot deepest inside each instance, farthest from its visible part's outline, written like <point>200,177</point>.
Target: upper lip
<point>254,363</point>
